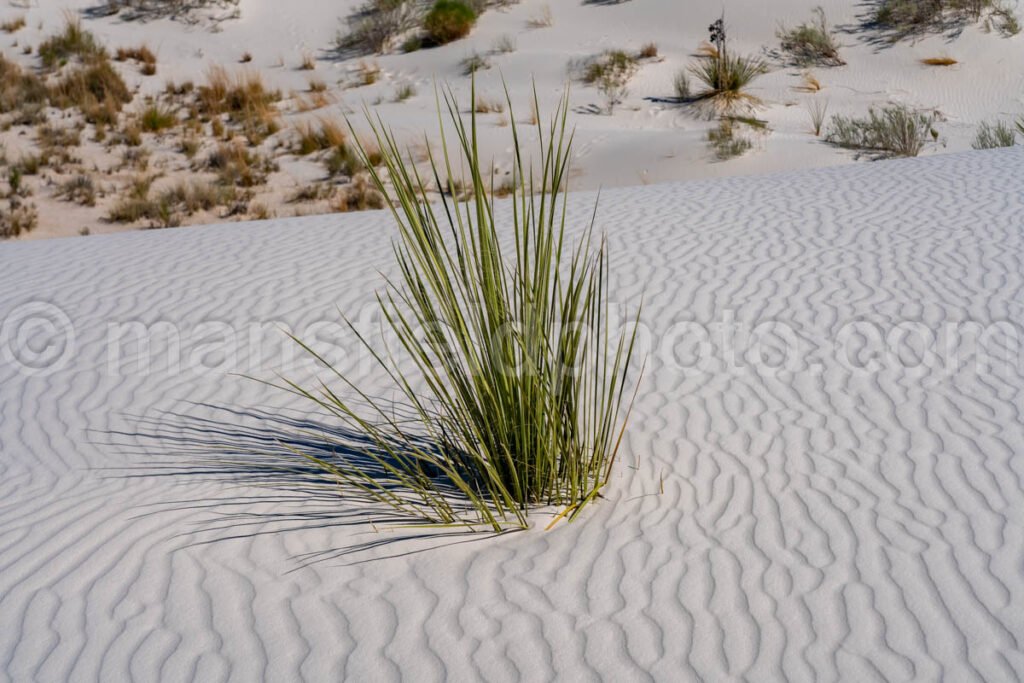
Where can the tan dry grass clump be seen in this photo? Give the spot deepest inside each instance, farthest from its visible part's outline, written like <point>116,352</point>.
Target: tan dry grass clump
<point>244,99</point>
<point>142,54</point>
<point>13,25</point>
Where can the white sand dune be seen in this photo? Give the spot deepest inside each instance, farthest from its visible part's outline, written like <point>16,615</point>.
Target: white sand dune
<point>817,522</point>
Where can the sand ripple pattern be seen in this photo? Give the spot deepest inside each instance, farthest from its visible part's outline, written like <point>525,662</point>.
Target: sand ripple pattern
<point>816,523</point>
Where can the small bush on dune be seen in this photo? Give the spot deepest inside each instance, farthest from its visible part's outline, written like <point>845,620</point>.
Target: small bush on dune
<point>504,44</point>
<point>648,51</point>
<point>610,72</point>
<point>811,42</point>
<point>368,73</point>
<point>156,118</point>
<point>187,198</point>
<point>404,92</point>
<point>892,131</point>
<point>483,105</point>
<point>237,166</point>
<point>80,189</point>
<point>448,20</point>
<point>97,89</point>
<point>817,110</point>
<point>473,63</point>
<point>342,161</point>
<point>993,135</point>
<point>140,54</point>
<point>358,195</point>
<point>518,382</point>
<point>74,41</point>
<point>19,88</point>
<point>543,19</point>
<point>18,219</point>
<point>325,134</point>
<point>245,99</point>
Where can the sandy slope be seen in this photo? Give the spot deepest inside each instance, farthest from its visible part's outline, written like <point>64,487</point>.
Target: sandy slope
<point>816,523</point>
<point>649,138</point>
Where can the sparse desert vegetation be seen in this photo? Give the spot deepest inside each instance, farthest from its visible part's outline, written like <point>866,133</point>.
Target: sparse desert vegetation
<point>726,141</point>
<point>13,25</point>
<point>892,131</point>
<point>188,152</point>
<point>998,134</point>
<point>141,54</point>
<point>812,42</point>
<point>75,108</point>
<point>448,20</point>
<point>610,72</point>
<point>817,109</point>
<point>904,18</point>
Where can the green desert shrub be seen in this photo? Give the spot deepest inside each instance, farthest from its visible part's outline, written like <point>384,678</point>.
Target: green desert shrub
<point>448,20</point>
<point>513,387</point>
<point>811,42</point>
<point>992,135</point>
<point>611,72</point>
<point>894,130</point>
<point>156,118</point>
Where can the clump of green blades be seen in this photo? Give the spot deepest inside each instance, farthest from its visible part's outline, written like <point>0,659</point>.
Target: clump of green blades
<point>517,399</point>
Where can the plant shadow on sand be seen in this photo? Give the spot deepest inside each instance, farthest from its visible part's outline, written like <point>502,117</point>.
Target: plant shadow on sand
<point>867,28</point>
<point>267,488</point>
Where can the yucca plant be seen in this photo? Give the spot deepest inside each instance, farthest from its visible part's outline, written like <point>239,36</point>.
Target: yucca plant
<point>725,75</point>
<point>517,398</point>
